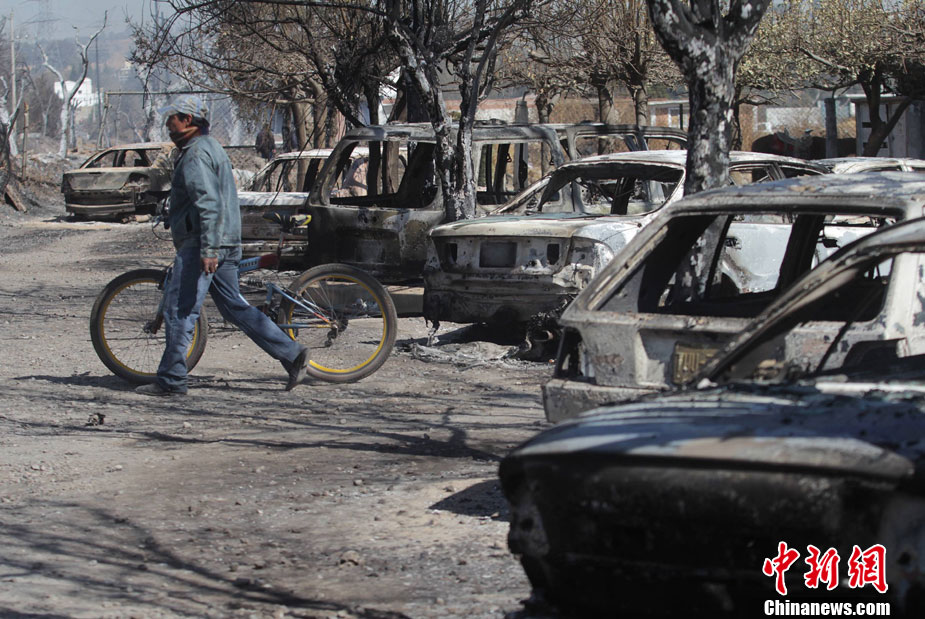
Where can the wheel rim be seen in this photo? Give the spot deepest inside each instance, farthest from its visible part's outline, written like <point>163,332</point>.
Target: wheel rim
<point>350,330</point>
<point>124,328</point>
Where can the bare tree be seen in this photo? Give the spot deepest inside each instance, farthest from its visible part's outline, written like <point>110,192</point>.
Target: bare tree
<point>345,51</point>
<point>764,74</point>
<point>707,45</point>
<point>463,36</point>
<point>304,55</point>
<point>9,110</point>
<point>620,47</point>
<point>836,44</point>
<point>67,107</point>
<point>41,97</point>
<point>531,61</point>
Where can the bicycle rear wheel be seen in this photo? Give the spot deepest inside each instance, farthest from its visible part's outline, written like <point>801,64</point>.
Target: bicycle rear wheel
<point>345,318</point>
<point>126,327</point>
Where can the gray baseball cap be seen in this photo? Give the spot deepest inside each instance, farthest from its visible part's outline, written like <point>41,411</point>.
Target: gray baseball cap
<point>185,104</point>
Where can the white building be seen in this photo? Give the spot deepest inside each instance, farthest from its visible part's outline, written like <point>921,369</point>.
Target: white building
<point>85,95</point>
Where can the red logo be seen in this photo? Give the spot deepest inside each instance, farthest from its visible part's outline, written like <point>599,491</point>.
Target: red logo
<point>868,567</point>
<point>865,567</point>
<point>779,565</point>
<point>822,568</point>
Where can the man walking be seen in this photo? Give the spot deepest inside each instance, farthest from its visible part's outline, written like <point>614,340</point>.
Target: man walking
<point>205,223</point>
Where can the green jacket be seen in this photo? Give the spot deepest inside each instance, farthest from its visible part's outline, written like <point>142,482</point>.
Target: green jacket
<point>204,208</point>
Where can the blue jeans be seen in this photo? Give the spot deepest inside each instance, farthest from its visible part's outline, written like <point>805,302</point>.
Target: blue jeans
<point>184,293</point>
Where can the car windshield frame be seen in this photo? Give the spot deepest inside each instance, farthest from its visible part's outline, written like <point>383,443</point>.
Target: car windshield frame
<point>789,311</point>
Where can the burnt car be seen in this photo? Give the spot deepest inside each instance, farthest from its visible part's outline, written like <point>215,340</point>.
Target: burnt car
<point>527,261</point>
<point>587,139</point>
<point>121,180</point>
<point>381,226</point>
<point>283,185</point>
<point>855,165</point>
<point>791,441</point>
<point>694,276</point>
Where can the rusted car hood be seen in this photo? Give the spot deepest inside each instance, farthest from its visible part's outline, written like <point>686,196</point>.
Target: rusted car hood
<point>780,428</point>
<point>564,225</point>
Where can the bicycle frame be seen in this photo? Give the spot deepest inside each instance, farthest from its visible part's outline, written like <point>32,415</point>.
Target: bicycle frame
<point>268,261</point>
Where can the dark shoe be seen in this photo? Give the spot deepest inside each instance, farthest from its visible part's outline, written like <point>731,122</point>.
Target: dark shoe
<point>297,370</point>
<point>155,389</point>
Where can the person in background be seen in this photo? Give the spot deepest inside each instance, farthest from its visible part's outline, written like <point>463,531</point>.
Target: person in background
<point>265,143</point>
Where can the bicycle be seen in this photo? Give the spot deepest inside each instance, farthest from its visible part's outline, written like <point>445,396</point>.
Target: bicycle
<point>343,315</point>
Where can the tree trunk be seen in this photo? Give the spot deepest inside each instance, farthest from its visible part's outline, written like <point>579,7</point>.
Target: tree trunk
<point>72,132</point>
<point>6,125</point>
<point>465,174</point>
<point>711,127</point>
<point>641,104</point>
<point>423,77</point>
<point>879,129</point>
<point>605,105</point>
<point>65,124</point>
<point>330,124</point>
<point>299,113</point>
<point>707,46</point>
<point>374,180</point>
<point>543,112</point>
<point>415,110</point>
<point>319,115</point>
<point>831,128</point>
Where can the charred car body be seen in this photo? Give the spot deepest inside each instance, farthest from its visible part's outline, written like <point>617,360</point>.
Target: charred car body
<point>283,185</point>
<point>382,226</point>
<point>695,275</point>
<point>587,139</point>
<point>536,253</point>
<point>818,444</point>
<point>122,180</point>
<point>856,165</point>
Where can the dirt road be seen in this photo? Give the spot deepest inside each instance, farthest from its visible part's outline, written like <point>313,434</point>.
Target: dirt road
<point>375,500</point>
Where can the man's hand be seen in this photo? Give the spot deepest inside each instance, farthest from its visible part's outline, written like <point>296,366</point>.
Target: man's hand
<point>209,265</point>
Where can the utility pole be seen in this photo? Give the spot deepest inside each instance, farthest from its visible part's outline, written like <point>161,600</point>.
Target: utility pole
<point>99,111</point>
<point>12,74</point>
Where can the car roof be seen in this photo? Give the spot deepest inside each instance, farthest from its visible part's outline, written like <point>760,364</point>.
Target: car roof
<point>305,154</point>
<point>317,153</point>
<point>137,146</point>
<point>674,158</point>
<point>870,191</point>
<point>843,165</point>
<point>424,132</point>
<point>604,129</point>
<point>678,157</point>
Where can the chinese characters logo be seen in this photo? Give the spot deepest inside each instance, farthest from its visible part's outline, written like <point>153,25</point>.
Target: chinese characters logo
<point>865,567</point>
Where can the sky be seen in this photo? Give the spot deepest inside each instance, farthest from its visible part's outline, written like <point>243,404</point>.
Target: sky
<point>55,18</point>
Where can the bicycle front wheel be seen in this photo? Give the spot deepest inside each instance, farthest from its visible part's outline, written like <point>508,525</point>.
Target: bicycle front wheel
<point>344,317</point>
<point>127,330</point>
